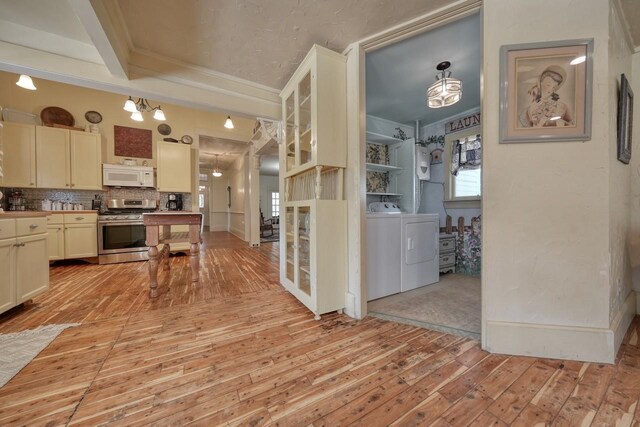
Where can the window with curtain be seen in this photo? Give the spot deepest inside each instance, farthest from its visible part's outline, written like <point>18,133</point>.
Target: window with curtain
<point>466,167</point>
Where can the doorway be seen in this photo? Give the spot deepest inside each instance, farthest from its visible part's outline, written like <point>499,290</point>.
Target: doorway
<point>412,172</point>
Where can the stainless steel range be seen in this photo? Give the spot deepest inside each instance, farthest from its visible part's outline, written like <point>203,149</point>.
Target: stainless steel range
<point>121,232</point>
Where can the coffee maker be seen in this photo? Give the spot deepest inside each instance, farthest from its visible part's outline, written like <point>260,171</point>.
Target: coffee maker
<point>175,202</point>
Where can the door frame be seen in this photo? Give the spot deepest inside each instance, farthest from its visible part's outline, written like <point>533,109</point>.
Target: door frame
<point>355,176</point>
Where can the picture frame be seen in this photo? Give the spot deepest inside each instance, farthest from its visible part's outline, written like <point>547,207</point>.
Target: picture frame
<point>546,91</point>
<point>625,120</point>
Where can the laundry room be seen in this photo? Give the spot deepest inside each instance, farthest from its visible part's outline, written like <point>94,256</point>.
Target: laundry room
<point>423,178</point>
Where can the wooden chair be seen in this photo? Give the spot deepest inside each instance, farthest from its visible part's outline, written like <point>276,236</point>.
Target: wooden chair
<point>265,225</point>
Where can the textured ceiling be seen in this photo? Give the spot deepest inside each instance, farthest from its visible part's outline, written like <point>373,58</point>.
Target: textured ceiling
<point>260,41</point>
<point>399,74</point>
<point>227,149</point>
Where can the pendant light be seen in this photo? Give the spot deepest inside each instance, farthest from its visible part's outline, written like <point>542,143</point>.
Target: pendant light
<point>25,82</point>
<point>445,91</point>
<point>228,124</point>
<point>216,172</point>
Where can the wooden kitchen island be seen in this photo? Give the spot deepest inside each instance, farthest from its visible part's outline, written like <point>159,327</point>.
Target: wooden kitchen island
<point>152,222</point>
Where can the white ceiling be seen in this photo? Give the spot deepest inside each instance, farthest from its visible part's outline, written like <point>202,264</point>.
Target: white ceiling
<point>260,41</point>
<point>399,74</point>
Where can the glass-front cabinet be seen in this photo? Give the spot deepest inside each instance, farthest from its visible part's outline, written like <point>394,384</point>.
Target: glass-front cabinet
<point>315,260</point>
<point>314,112</point>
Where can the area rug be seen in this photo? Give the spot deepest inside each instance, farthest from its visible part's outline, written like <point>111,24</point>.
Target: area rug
<point>274,238</point>
<point>20,348</point>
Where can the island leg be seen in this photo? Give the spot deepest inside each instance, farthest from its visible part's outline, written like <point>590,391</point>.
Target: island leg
<point>153,271</point>
<point>194,239</point>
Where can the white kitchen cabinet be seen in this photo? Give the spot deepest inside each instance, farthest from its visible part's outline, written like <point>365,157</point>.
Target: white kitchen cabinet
<point>55,241</point>
<point>23,260</point>
<point>174,167</point>
<point>7,278</point>
<point>32,275</point>
<point>86,160</point>
<point>80,236</point>
<point>68,159</point>
<point>314,264</point>
<point>19,160</point>
<point>314,113</point>
<point>52,157</point>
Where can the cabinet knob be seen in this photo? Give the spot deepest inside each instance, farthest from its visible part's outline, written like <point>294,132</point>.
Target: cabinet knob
<point>73,185</point>
<point>33,226</point>
<point>33,183</point>
<point>66,185</point>
<point>79,218</point>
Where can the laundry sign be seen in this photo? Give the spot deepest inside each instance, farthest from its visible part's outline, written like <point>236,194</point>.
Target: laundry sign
<point>462,123</point>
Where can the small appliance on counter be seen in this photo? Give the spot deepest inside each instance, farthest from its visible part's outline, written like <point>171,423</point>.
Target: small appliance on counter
<point>96,203</point>
<point>16,201</point>
<point>175,202</point>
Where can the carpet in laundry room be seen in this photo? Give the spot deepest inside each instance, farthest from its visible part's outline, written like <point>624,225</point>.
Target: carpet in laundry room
<point>451,305</point>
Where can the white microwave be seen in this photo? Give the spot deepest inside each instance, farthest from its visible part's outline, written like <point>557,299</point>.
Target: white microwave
<point>127,176</point>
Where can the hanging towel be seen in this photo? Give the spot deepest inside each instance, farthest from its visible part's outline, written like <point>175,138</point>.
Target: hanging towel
<point>466,154</point>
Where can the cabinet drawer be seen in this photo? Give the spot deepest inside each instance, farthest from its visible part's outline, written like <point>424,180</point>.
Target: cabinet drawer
<point>30,226</point>
<point>80,218</point>
<point>7,228</point>
<point>447,259</point>
<point>55,219</point>
<point>447,244</point>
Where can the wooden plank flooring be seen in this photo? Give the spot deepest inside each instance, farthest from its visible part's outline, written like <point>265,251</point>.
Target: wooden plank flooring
<point>236,349</point>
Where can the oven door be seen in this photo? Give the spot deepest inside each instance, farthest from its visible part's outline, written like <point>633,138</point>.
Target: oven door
<point>121,236</point>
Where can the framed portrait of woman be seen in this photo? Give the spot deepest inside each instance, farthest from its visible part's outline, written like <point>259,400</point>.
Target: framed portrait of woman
<point>545,91</point>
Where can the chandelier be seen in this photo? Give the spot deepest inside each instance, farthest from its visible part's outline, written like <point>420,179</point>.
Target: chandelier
<point>136,108</point>
<point>216,171</point>
<point>445,90</point>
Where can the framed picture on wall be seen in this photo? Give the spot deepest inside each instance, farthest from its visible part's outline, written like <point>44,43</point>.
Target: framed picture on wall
<point>545,91</point>
<point>625,120</point>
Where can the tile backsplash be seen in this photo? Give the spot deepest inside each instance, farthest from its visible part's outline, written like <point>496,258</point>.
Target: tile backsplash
<point>34,196</point>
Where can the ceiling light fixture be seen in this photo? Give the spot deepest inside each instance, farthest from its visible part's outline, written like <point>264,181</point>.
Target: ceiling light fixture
<point>445,90</point>
<point>136,108</point>
<point>25,82</point>
<point>228,123</point>
<point>216,172</point>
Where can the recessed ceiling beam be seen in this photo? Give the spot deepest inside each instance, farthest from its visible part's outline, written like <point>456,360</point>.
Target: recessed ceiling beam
<point>109,40</point>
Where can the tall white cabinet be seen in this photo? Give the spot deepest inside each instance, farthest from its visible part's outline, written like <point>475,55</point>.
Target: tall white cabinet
<point>313,265</point>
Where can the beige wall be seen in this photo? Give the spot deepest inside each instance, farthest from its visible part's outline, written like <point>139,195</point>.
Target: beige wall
<point>236,175</point>
<point>547,255</point>
<point>78,100</point>
<point>634,232</point>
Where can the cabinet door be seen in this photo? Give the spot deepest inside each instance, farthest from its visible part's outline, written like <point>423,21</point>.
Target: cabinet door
<point>52,156</point>
<point>86,161</point>
<point>19,161</point>
<point>80,241</point>
<point>288,111</point>
<point>289,267</point>
<point>7,278</point>
<point>304,127</point>
<point>32,266</point>
<point>55,242</point>
<point>174,167</point>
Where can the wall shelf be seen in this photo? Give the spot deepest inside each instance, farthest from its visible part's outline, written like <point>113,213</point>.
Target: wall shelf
<point>383,168</point>
<point>377,138</point>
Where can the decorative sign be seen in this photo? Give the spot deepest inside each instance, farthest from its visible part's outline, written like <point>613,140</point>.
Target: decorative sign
<point>462,123</point>
<point>132,142</point>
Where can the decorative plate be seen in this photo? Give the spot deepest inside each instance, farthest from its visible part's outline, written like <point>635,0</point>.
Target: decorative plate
<point>186,139</point>
<point>164,129</point>
<point>57,116</point>
<point>93,117</point>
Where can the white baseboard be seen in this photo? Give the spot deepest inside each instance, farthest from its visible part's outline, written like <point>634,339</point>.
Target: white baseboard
<point>218,228</point>
<point>237,232</point>
<point>623,319</point>
<point>350,304</point>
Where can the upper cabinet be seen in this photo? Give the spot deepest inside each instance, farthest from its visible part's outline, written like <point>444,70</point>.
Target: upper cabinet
<point>46,157</point>
<point>174,167</point>
<point>19,160</point>
<point>314,112</point>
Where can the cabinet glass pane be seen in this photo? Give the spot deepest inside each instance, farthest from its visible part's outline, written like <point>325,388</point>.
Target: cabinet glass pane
<point>289,248</point>
<point>304,102</point>
<point>304,263</point>
<point>290,131</point>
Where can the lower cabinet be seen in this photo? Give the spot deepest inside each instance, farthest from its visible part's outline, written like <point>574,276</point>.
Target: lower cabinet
<point>72,235</point>
<point>80,241</point>
<point>32,277</point>
<point>7,278</point>
<point>23,262</point>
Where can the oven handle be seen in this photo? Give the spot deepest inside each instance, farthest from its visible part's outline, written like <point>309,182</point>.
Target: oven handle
<point>112,223</point>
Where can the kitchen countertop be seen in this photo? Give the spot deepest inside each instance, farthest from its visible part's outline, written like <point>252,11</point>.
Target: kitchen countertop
<point>23,214</point>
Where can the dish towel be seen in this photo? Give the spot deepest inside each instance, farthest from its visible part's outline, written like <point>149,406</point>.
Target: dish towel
<point>20,348</point>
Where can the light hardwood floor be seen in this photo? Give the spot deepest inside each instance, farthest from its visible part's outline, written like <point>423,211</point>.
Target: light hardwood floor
<point>236,349</point>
